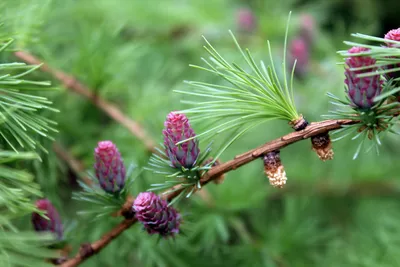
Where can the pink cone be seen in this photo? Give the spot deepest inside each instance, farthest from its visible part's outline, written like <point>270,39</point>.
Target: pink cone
<point>40,223</point>
<point>155,215</point>
<point>109,167</point>
<point>361,91</point>
<point>177,128</point>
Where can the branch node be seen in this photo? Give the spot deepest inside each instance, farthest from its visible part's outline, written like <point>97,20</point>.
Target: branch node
<point>59,260</point>
<point>86,250</point>
<point>299,123</point>
<point>126,209</point>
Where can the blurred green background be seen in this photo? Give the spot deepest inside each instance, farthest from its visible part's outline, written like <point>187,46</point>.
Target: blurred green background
<point>134,53</point>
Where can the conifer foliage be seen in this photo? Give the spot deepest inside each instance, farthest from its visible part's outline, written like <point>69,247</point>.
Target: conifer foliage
<point>87,88</point>
<point>21,122</point>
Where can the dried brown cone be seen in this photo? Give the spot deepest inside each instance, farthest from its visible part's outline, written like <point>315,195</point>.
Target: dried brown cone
<point>299,123</point>
<point>322,145</point>
<point>274,169</point>
<point>220,179</point>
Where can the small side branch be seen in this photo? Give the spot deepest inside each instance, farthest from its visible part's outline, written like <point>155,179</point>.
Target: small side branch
<point>75,165</point>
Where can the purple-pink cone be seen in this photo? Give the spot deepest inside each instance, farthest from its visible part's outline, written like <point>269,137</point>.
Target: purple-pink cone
<point>154,213</point>
<point>109,167</point>
<point>393,35</point>
<point>177,128</point>
<point>40,223</point>
<point>246,20</point>
<point>299,50</point>
<point>361,91</point>
<point>307,28</point>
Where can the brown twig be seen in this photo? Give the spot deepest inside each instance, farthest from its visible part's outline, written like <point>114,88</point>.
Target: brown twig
<point>110,109</point>
<point>87,250</point>
<point>215,172</point>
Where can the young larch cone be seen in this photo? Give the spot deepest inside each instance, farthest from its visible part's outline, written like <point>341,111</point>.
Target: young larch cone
<point>299,50</point>
<point>322,145</point>
<point>109,167</point>
<point>361,91</point>
<point>246,20</point>
<point>154,213</point>
<point>307,28</point>
<point>274,169</point>
<point>393,35</point>
<point>177,128</point>
<point>53,224</point>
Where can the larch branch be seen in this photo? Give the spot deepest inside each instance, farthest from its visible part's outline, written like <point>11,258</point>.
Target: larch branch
<point>240,160</point>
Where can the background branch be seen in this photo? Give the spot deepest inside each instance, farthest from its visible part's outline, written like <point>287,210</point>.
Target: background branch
<point>76,166</point>
<point>110,109</point>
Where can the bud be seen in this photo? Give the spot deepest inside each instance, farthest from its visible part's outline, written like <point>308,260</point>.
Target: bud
<point>299,124</point>
<point>53,224</point>
<point>154,213</point>
<point>299,50</point>
<point>246,20</point>
<point>177,128</point>
<point>361,91</point>
<point>395,36</point>
<point>109,167</point>
<point>274,169</point>
<point>321,144</point>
